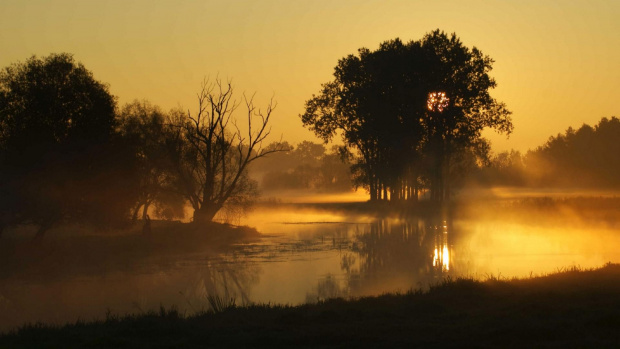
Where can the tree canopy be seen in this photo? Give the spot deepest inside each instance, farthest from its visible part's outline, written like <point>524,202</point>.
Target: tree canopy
<point>146,133</point>
<point>67,155</point>
<point>53,101</point>
<point>56,143</point>
<point>308,166</point>
<point>586,157</point>
<point>379,103</point>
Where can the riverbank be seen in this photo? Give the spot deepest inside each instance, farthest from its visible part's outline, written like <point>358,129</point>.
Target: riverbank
<point>569,309</point>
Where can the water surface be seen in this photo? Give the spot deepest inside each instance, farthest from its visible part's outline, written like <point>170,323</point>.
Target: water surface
<point>304,256</point>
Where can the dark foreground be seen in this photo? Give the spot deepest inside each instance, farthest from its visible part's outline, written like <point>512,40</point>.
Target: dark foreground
<point>569,309</point>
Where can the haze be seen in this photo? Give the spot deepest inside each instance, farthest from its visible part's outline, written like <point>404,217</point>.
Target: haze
<point>555,61</point>
<point>195,165</point>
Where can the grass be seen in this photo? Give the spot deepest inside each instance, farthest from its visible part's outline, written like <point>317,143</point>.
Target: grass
<point>221,304</point>
<point>571,308</point>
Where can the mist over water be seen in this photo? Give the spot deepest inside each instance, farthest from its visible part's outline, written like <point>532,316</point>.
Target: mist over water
<point>305,253</point>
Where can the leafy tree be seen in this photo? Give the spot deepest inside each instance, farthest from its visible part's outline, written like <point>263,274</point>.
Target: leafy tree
<point>365,103</point>
<point>308,166</point>
<point>145,130</point>
<point>309,153</point>
<point>211,154</point>
<point>505,169</point>
<point>587,157</point>
<point>378,102</point>
<point>583,158</point>
<point>279,162</point>
<point>58,154</point>
<point>335,175</point>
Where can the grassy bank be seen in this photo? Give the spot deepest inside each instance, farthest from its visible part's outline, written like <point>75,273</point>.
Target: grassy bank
<point>569,309</point>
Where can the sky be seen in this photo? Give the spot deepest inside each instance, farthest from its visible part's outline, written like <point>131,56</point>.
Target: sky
<point>556,62</point>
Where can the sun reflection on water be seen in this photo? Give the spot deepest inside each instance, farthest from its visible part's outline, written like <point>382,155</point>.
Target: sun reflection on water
<point>441,258</point>
<point>308,254</point>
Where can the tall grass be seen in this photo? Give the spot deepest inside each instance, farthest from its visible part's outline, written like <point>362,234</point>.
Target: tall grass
<point>220,304</point>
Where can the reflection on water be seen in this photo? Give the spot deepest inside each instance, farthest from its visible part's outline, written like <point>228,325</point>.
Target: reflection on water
<point>441,257</point>
<point>390,255</point>
<point>305,256</point>
<point>227,278</point>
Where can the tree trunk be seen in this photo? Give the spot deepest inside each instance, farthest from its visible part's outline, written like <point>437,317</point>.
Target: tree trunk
<point>146,209</point>
<point>373,189</point>
<point>205,214</point>
<point>134,216</point>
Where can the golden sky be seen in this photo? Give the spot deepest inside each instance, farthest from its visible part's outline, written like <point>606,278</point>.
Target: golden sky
<point>556,62</point>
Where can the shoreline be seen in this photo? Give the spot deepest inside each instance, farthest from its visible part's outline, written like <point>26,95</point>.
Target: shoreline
<point>570,308</point>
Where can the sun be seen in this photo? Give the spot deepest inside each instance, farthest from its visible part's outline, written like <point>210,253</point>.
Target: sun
<point>437,101</point>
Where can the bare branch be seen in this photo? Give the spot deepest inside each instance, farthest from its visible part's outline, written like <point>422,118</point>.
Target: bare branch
<point>213,162</point>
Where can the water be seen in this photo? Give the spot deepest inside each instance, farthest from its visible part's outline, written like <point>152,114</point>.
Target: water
<point>304,256</point>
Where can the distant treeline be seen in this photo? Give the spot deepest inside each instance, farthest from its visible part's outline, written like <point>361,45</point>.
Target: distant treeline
<point>588,157</point>
<point>306,166</point>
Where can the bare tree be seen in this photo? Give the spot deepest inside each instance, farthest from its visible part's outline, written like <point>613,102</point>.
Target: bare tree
<point>211,153</point>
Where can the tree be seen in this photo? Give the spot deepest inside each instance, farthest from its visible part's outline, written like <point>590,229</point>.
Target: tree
<point>379,103</point>
<point>211,154</point>
<point>309,153</point>
<point>370,102</point>
<point>463,76</point>
<point>587,157</point>
<point>57,144</point>
<point>308,166</point>
<point>504,169</point>
<point>144,129</point>
<point>334,172</point>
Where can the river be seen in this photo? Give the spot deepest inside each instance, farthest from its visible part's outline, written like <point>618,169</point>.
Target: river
<point>307,255</point>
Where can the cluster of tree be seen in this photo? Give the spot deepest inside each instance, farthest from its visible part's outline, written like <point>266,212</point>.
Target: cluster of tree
<point>307,166</point>
<point>59,154</point>
<point>587,157</point>
<point>67,154</point>
<point>503,169</point>
<point>410,115</point>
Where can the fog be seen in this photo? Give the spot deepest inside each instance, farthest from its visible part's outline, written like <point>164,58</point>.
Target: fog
<point>108,210</point>
<point>301,252</point>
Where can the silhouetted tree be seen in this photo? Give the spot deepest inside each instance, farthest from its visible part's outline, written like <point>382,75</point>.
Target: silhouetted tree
<point>582,158</point>
<point>504,169</point>
<point>279,161</point>
<point>144,128</point>
<point>308,166</point>
<point>309,153</point>
<point>334,173</point>
<point>211,154</point>
<point>378,103</point>
<point>587,157</point>
<point>58,156</point>
<point>370,102</point>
